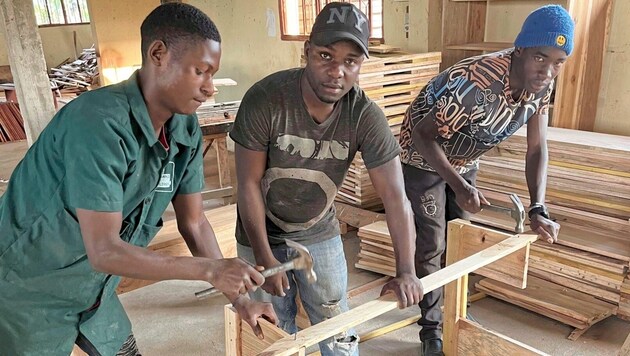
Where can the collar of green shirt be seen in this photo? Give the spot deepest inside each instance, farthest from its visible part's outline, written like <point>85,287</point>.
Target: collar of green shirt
<point>175,127</point>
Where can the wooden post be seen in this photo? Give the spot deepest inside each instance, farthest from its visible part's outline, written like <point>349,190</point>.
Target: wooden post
<point>28,66</point>
<point>625,348</point>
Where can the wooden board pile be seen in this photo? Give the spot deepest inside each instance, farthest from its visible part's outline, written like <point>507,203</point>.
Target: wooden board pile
<point>392,81</point>
<point>11,122</point>
<point>377,250</point>
<point>75,77</point>
<point>588,193</point>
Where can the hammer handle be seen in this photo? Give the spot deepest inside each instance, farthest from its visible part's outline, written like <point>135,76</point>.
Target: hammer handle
<point>287,266</point>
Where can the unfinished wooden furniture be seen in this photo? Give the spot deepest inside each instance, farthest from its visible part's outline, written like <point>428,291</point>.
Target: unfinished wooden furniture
<point>216,121</point>
<point>464,31</point>
<point>170,242</point>
<point>479,251</point>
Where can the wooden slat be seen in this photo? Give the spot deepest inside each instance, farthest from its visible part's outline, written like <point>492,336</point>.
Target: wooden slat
<point>511,270</point>
<point>625,348</point>
<point>571,307</point>
<point>232,332</point>
<point>474,339</point>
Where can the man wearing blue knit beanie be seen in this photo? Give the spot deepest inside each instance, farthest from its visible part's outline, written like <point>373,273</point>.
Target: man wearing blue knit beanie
<point>461,114</point>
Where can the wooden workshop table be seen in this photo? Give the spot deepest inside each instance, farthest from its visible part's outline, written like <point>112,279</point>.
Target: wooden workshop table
<point>216,121</point>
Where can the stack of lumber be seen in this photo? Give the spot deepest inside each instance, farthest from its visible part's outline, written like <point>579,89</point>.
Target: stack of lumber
<point>75,77</point>
<point>11,123</point>
<point>568,306</point>
<point>588,193</point>
<point>392,80</point>
<point>216,113</point>
<point>377,250</point>
<point>357,189</point>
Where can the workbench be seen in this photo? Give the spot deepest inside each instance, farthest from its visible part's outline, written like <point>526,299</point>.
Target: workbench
<point>216,121</point>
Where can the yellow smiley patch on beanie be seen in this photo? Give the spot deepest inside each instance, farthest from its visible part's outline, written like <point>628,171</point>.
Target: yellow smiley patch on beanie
<point>561,40</point>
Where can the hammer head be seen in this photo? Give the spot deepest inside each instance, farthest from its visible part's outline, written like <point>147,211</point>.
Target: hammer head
<point>518,213</point>
<point>304,261</point>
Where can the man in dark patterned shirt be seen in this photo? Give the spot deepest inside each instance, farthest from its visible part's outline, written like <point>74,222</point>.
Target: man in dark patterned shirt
<point>461,114</point>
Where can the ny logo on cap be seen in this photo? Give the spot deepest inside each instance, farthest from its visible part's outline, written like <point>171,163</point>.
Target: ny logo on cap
<point>340,16</point>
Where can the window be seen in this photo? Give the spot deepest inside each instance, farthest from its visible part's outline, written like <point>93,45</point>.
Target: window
<point>61,12</point>
<point>297,16</point>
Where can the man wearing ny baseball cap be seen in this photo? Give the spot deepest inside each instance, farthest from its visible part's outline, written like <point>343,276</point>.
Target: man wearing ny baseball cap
<point>461,114</point>
<point>296,134</point>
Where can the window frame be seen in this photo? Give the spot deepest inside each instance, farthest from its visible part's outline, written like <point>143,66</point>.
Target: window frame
<point>318,7</point>
<point>65,16</point>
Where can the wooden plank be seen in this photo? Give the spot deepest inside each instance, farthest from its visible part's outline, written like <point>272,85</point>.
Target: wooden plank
<point>575,106</point>
<point>369,286</point>
<point>625,348</point>
<point>582,286</point>
<point>240,339</point>
<point>482,46</point>
<point>232,331</point>
<point>356,217</point>
<point>570,235</point>
<point>624,299</point>
<point>511,269</point>
<point>372,309</point>
<point>455,293</point>
<point>383,48</point>
<point>568,306</point>
<point>475,340</point>
<point>389,328</point>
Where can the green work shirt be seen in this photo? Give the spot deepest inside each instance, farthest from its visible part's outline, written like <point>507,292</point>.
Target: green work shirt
<point>100,152</point>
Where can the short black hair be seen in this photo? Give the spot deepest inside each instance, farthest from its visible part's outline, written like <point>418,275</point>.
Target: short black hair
<point>175,23</point>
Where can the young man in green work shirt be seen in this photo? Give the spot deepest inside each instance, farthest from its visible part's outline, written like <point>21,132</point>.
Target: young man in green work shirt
<point>461,114</point>
<point>89,195</point>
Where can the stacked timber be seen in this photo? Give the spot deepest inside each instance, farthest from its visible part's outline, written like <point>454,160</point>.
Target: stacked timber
<point>392,80</point>
<point>11,122</point>
<point>377,250</point>
<point>75,77</point>
<point>588,193</point>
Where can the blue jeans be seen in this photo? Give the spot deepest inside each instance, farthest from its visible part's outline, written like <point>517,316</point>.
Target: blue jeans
<point>321,300</point>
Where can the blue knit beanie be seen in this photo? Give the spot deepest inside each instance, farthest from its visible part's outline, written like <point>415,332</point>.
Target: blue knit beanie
<point>549,25</point>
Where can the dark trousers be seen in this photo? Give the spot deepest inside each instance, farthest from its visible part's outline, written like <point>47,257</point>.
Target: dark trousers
<point>433,204</point>
<point>129,347</point>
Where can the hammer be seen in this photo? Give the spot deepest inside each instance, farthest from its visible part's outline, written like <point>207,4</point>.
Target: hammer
<point>517,213</point>
<point>303,261</point>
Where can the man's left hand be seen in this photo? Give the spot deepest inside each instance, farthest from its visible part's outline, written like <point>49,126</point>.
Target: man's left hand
<point>408,290</point>
<point>544,227</point>
<point>250,311</point>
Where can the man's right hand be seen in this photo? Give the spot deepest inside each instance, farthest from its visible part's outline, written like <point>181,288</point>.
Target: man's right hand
<point>276,284</point>
<point>470,198</point>
<point>234,276</point>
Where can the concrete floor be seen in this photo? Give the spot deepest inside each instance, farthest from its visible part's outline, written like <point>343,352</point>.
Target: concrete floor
<point>168,320</point>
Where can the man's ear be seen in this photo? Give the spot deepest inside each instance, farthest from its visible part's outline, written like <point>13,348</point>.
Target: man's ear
<point>518,51</point>
<point>157,53</point>
<point>307,47</point>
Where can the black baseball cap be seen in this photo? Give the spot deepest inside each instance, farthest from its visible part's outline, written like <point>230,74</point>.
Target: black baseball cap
<point>341,21</point>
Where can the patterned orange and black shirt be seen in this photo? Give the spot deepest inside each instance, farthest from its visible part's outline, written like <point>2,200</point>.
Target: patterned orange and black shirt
<point>472,105</point>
